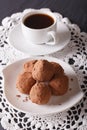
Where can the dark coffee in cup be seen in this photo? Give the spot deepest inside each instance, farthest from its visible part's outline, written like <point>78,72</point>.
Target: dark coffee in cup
<point>38,21</point>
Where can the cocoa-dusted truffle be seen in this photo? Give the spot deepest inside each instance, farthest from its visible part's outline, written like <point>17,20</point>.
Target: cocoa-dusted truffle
<point>28,66</point>
<point>40,93</point>
<point>43,70</point>
<point>58,68</point>
<point>59,85</point>
<point>25,82</point>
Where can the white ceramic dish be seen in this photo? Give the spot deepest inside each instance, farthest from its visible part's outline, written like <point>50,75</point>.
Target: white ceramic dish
<point>56,103</point>
<point>17,40</point>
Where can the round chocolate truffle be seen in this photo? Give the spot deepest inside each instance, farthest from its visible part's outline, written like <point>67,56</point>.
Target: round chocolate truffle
<point>25,82</point>
<point>43,70</point>
<point>40,93</point>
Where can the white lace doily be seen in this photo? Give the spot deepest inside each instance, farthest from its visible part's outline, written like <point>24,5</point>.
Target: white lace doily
<point>74,54</point>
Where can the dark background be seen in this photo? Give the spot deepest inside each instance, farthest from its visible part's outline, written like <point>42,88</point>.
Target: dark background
<point>75,10</point>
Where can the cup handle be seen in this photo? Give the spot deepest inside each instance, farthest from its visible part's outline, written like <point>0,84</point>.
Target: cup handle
<point>52,38</point>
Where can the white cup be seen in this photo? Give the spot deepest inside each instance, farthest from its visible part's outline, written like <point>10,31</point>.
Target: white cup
<point>45,35</point>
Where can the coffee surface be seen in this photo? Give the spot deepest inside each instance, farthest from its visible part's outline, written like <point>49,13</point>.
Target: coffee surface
<point>38,21</point>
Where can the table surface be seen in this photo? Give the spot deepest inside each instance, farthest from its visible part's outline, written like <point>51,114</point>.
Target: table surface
<point>76,11</point>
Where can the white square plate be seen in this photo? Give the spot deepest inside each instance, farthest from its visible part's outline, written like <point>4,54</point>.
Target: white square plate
<point>56,103</point>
